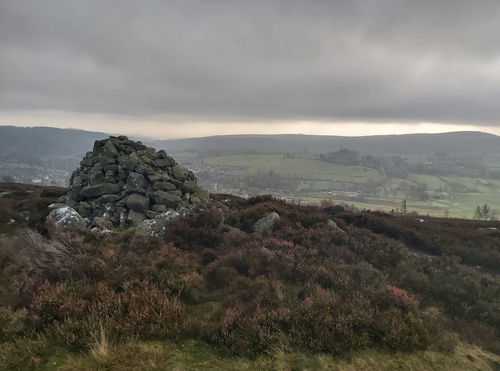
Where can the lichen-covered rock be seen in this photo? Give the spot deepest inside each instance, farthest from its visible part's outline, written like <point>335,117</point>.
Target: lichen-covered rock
<point>137,180</point>
<point>152,227</point>
<point>265,225</point>
<point>66,216</point>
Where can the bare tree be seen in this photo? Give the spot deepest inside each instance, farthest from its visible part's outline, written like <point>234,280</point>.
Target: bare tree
<point>404,207</point>
<point>482,213</point>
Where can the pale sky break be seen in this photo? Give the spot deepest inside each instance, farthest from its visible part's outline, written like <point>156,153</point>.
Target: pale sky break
<point>171,69</point>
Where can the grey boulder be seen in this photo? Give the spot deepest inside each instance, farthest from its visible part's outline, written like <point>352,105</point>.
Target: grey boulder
<point>66,216</point>
<point>265,225</point>
<point>152,227</point>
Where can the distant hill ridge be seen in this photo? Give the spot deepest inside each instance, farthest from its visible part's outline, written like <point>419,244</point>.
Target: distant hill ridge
<point>41,141</point>
<point>466,142</point>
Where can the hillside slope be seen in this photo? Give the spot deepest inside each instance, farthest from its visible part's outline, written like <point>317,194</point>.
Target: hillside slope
<point>215,294</point>
<point>465,143</point>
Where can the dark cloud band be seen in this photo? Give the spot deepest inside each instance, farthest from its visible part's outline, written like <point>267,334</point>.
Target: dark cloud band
<point>380,60</point>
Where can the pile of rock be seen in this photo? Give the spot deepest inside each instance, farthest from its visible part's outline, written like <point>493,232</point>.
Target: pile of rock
<point>122,183</point>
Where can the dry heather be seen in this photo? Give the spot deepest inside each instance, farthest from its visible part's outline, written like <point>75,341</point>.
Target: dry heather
<point>306,293</point>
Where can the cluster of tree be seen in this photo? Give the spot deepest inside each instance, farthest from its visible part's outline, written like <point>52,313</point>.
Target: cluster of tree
<point>21,156</point>
<point>392,166</point>
<point>397,167</point>
<point>483,213</point>
<point>441,164</point>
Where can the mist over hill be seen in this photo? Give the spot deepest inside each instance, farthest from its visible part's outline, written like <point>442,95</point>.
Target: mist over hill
<point>28,143</point>
<point>32,143</point>
<point>466,143</point>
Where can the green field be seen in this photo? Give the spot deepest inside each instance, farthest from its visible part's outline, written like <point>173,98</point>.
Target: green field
<point>184,154</point>
<point>317,176</point>
<point>492,162</point>
<point>305,167</point>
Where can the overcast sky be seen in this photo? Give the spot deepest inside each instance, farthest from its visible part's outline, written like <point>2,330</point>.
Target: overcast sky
<point>191,68</point>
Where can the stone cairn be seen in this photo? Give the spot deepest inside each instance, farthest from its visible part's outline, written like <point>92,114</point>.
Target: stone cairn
<point>122,183</point>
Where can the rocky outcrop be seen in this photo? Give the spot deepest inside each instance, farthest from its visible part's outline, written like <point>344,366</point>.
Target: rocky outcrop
<point>265,225</point>
<point>123,183</point>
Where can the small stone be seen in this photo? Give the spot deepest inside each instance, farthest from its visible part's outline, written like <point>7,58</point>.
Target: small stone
<point>130,164</point>
<point>176,192</point>
<point>122,159</point>
<point>159,208</point>
<point>138,190</point>
<point>141,169</point>
<point>155,178</point>
<point>163,162</point>
<point>151,214</point>
<point>122,202</point>
<point>111,167</point>
<point>106,160</point>
<point>138,203</point>
<point>182,205</point>
<point>87,162</point>
<point>100,189</point>
<point>135,218</point>
<point>178,173</point>
<point>164,186</point>
<point>110,150</point>
<point>97,178</point>
<point>109,198</point>
<point>97,168</point>
<point>76,194</point>
<point>165,198</point>
<point>190,186</point>
<point>137,180</point>
<point>102,223</point>
<point>84,209</point>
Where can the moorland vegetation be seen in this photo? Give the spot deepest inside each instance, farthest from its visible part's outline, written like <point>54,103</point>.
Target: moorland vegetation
<point>394,285</point>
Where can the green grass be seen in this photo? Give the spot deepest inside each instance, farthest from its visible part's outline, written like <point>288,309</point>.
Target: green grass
<point>306,167</point>
<point>304,184</point>
<point>184,154</point>
<point>327,175</point>
<point>197,355</point>
<point>492,162</point>
<point>433,182</point>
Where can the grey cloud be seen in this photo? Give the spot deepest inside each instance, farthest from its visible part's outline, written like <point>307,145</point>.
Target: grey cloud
<point>369,60</point>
